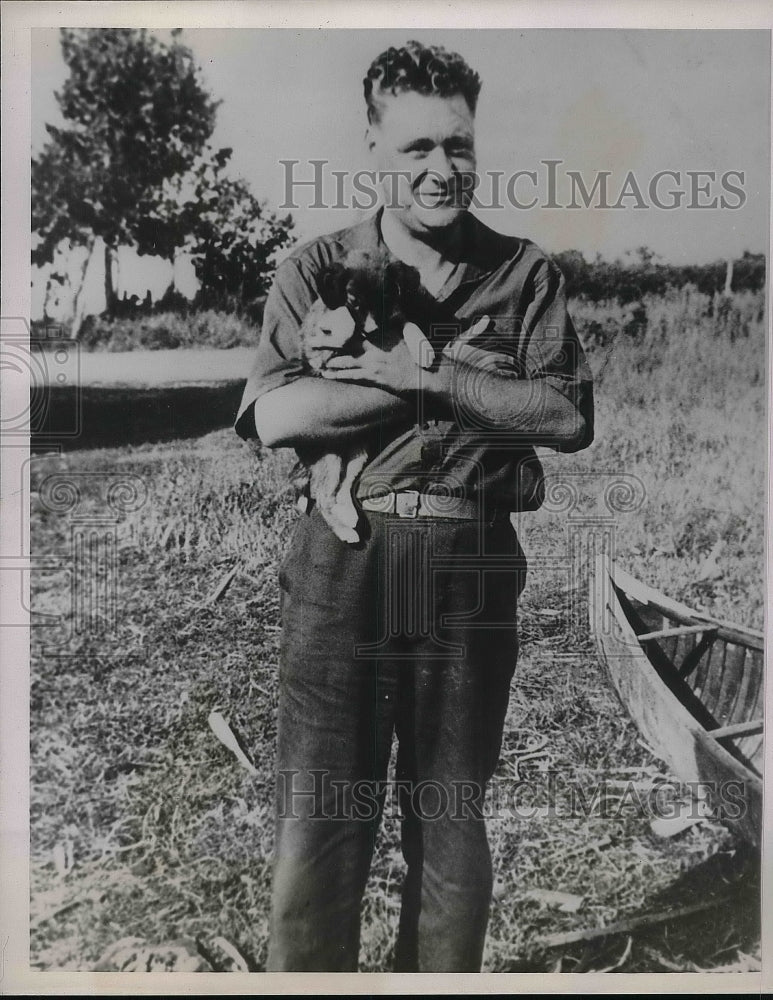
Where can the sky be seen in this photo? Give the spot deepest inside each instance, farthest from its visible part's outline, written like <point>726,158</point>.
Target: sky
<point>596,100</point>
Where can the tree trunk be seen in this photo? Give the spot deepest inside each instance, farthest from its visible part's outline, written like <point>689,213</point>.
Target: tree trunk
<point>47,297</point>
<point>77,302</point>
<point>110,296</point>
<point>729,277</point>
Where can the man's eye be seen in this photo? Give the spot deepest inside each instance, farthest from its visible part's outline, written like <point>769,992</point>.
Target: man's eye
<point>420,148</point>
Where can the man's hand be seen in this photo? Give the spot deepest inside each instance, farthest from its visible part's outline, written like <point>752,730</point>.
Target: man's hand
<point>393,370</point>
<point>397,371</point>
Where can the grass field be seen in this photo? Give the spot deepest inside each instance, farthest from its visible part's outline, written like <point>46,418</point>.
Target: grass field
<point>145,829</point>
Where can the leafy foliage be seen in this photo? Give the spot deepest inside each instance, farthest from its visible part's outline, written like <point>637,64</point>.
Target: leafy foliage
<point>57,194</point>
<point>235,240</point>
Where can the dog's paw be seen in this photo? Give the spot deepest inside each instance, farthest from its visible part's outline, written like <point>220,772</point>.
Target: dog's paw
<point>346,514</point>
<point>347,535</point>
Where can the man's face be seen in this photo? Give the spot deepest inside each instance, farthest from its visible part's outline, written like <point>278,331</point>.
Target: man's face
<point>425,147</point>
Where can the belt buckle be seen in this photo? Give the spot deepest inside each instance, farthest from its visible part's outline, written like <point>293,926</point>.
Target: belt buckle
<point>407,503</point>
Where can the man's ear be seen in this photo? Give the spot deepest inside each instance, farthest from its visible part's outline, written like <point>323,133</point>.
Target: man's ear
<point>370,139</point>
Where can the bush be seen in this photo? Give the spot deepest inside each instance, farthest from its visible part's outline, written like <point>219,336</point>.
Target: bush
<point>602,280</point>
<point>208,328</point>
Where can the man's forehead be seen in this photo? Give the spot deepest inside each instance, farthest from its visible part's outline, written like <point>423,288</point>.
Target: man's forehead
<point>410,111</point>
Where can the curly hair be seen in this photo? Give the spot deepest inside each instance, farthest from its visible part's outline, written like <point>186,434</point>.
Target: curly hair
<point>425,69</point>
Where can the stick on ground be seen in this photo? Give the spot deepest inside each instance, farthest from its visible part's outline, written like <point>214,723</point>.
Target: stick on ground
<point>223,585</point>
<point>625,926</point>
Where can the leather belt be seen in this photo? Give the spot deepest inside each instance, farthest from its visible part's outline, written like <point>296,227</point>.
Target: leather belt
<point>412,504</point>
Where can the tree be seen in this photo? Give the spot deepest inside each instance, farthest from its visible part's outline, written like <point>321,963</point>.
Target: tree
<point>169,214</point>
<point>229,234</point>
<point>137,114</point>
<point>234,240</point>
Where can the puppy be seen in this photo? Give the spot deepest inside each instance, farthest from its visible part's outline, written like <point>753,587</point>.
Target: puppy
<point>365,297</point>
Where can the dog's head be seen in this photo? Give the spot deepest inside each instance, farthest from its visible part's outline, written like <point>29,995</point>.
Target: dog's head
<point>376,292</point>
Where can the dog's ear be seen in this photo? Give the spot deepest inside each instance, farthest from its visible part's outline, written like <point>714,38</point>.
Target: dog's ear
<point>401,280</point>
<point>331,282</point>
<point>361,292</point>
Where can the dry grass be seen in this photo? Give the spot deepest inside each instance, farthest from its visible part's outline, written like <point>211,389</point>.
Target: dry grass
<point>144,826</point>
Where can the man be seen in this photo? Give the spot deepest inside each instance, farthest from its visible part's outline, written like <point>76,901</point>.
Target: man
<point>412,631</point>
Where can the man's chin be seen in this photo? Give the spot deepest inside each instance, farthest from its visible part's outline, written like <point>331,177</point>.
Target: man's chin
<point>438,217</point>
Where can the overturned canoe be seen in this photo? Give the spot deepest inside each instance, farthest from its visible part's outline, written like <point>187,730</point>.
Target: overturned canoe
<point>694,687</point>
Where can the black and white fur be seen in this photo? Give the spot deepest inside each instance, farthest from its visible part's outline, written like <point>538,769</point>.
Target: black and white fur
<point>365,297</point>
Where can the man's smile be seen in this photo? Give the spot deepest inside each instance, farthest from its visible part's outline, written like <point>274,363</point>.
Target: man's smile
<point>432,196</point>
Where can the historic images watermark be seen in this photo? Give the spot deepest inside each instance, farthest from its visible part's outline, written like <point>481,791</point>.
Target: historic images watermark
<point>554,185</point>
<point>317,794</point>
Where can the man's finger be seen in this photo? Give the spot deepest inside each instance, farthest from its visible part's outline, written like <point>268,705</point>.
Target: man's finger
<point>342,361</point>
<point>421,351</point>
<point>347,375</point>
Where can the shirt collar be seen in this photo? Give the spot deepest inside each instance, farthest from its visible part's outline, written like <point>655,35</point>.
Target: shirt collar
<point>478,256</point>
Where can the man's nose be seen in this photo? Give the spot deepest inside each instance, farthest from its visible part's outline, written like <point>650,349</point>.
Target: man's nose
<point>439,165</point>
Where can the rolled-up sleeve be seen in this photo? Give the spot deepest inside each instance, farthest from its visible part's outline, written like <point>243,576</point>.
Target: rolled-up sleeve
<point>552,349</point>
<point>278,359</point>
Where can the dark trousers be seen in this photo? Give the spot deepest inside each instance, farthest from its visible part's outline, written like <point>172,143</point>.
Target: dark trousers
<point>413,632</point>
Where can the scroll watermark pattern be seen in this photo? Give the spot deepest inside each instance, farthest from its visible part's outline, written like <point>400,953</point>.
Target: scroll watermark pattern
<point>34,374</point>
<point>87,576</point>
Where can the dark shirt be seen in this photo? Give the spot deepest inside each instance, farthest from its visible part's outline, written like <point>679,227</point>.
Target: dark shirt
<point>503,277</point>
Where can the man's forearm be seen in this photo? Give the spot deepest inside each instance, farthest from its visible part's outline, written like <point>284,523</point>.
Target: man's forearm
<point>529,407</point>
<point>312,411</point>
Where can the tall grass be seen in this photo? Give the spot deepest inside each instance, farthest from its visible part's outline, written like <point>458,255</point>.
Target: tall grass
<point>682,406</point>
